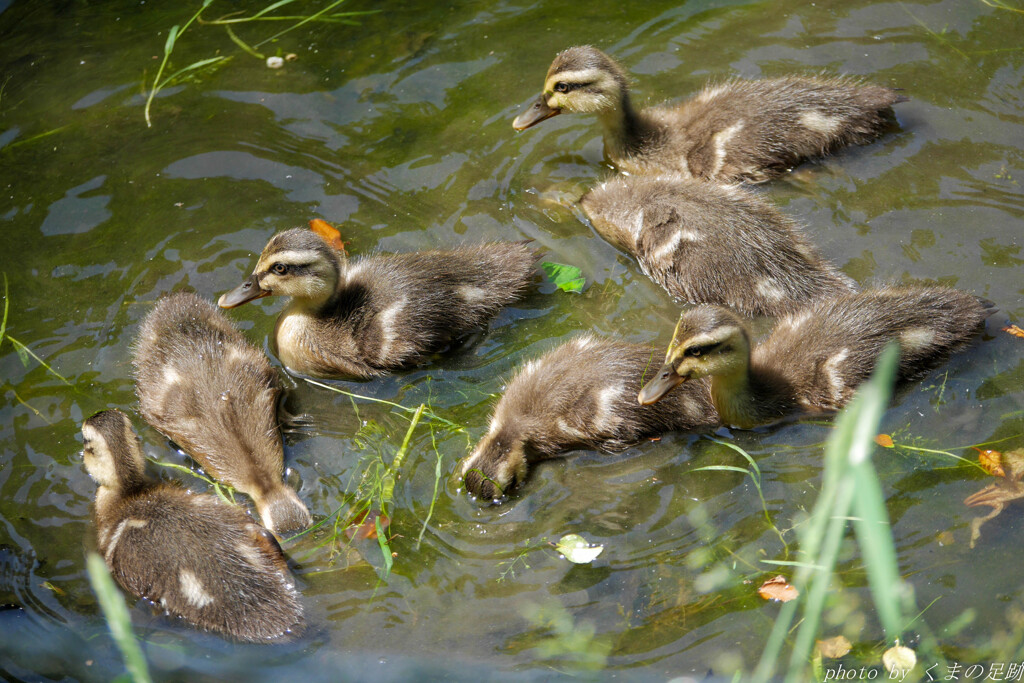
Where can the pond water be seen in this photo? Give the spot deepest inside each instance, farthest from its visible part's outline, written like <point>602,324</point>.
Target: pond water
<point>398,130</point>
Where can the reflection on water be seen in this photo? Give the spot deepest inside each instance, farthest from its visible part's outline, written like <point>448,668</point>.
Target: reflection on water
<point>399,130</point>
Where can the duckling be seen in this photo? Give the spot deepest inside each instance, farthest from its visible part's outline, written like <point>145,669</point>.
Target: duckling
<point>383,312</point>
<point>732,131</point>
<point>198,558</point>
<point>814,359</point>
<point>215,395</point>
<point>710,243</point>
<point>578,395</point>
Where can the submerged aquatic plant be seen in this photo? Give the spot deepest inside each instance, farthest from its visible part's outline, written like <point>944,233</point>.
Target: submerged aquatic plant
<point>325,15</point>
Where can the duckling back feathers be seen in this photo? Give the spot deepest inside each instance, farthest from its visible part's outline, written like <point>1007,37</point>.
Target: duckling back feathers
<point>710,243</point>
<point>200,383</point>
<point>389,311</point>
<point>578,395</point>
<point>736,130</point>
<point>195,556</point>
<point>828,350</point>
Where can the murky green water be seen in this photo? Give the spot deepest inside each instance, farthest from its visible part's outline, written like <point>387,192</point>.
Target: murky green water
<point>400,131</point>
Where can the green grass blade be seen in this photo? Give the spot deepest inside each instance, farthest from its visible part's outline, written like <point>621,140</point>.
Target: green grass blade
<point>437,483</point>
<point>272,7</point>
<point>21,348</point>
<point>242,44</point>
<point>848,448</point>
<point>7,303</point>
<point>118,620</point>
<point>385,549</point>
<point>191,67</point>
<point>871,522</point>
<point>312,17</point>
<point>721,468</point>
<point>172,36</point>
<point>388,484</point>
<point>429,413</point>
<point>741,452</point>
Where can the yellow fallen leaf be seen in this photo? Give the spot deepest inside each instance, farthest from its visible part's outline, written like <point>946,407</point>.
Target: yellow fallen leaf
<point>778,589</point>
<point>834,648</point>
<point>899,658</point>
<point>1014,330</point>
<point>991,462</point>
<point>884,440</point>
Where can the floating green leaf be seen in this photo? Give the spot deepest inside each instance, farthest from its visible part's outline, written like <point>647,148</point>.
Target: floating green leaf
<point>567,278</point>
<point>577,549</point>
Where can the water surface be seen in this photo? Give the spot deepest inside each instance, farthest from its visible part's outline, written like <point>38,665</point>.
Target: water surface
<point>399,131</point>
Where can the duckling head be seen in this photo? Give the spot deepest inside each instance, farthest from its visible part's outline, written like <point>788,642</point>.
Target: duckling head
<point>111,451</point>
<point>582,80</point>
<point>296,263</point>
<point>708,340</point>
<point>495,466</point>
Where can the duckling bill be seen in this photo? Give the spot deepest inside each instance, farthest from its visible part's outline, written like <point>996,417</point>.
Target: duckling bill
<point>380,313</point>
<point>733,131</point>
<point>195,556</point>
<point>707,243</point>
<point>215,395</point>
<point>579,395</point>
<point>814,359</point>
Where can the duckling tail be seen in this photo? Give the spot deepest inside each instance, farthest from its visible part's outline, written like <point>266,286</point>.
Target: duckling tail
<point>282,511</point>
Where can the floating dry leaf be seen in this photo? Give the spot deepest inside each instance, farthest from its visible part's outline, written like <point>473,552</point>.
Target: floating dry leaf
<point>834,648</point>
<point>899,658</point>
<point>329,233</point>
<point>778,589</point>
<point>884,440</point>
<point>1014,330</point>
<point>365,525</point>
<point>997,495</point>
<point>991,462</point>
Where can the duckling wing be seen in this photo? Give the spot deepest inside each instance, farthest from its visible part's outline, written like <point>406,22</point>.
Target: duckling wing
<point>827,350</point>
<point>202,560</point>
<point>756,129</point>
<point>417,303</point>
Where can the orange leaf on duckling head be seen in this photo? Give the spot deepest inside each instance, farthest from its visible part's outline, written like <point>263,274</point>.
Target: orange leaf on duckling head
<point>884,440</point>
<point>329,233</point>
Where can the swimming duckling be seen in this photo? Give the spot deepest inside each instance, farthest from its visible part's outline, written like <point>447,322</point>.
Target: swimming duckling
<point>814,359</point>
<point>578,395</point>
<point>710,243</point>
<point>215,395</point>
<point>198,558</point>
<point>736,130</point>
<point>382,312</point>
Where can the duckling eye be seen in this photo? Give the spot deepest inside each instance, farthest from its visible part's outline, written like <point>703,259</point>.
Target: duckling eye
<point>279,268</point>
<point>695,351</point>
<point>561,87</point>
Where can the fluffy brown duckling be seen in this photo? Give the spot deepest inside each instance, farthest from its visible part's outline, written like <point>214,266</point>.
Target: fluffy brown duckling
<point>195,556</point>
<point>383,312</point>
<point>578,395</point>
<point>713,244</point>
<point>215,395</point>
<point>736,130</point>
<point>814,359</point>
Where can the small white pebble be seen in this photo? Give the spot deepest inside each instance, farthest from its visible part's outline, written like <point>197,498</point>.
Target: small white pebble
<point>274,62</point>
